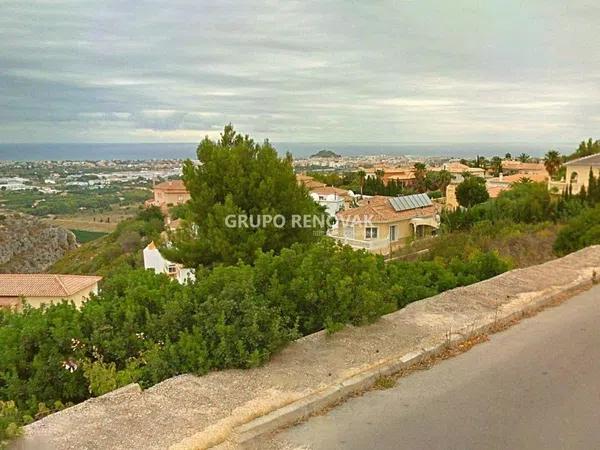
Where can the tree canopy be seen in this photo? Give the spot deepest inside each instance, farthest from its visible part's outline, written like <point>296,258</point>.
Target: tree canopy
<point>471,192</point>
<point>237,177</point>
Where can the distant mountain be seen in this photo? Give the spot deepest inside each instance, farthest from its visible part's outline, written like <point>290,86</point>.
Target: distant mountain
<point>28,245</point>
<point>325,154</point>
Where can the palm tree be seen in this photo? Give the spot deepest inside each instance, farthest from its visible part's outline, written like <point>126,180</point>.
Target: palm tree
<point>552,162</point>
<point>496,166</point>
<point>362,175</point>
<point>444,179</point>
<point>524,157</point>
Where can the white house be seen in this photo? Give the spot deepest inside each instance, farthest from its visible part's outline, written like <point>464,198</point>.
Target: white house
<point>332,198</point>
<point>153,260</point>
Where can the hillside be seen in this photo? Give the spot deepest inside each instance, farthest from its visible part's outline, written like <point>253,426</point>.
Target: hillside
<point>28,245</point>
<point>123,246</point>
<point>325,154</point>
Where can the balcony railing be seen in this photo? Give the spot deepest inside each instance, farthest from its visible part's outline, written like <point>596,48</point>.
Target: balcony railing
<point>368,244</point>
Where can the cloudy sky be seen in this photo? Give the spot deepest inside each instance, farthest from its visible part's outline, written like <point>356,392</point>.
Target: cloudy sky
<point>300,71</point>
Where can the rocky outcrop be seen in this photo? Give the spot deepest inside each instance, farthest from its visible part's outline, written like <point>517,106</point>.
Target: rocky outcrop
<point>28,245</point>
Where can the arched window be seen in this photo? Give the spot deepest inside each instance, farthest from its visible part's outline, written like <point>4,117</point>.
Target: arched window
<point>574,177</point>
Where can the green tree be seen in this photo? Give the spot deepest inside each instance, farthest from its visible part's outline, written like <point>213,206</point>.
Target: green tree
<point>237,177</point>
<point>420,171</point>
<point>524,157</point>
<point>496,166</point>
<point>471,192</point>
<point>588,148</point>
<point>552,162</point>
<point>438,181</point>
<point>361,180</point>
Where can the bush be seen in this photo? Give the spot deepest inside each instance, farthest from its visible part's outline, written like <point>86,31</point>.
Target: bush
<point>145,327</point>
<point>581,231</point>
<point>10,422</point>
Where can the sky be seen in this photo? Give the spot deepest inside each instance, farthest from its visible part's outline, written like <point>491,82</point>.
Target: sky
<point>300,71</point>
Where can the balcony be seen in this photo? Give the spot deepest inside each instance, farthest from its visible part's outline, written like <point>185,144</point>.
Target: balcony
<point>560,186</point>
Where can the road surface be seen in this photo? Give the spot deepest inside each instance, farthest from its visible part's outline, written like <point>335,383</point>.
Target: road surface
<point>533,386</point>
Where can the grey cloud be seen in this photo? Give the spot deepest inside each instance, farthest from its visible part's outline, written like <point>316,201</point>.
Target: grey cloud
<point>334,71</point>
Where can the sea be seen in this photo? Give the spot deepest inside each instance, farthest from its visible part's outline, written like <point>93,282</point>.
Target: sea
<point>144,151</point>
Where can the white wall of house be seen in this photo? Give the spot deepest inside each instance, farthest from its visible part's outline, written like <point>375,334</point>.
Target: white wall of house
<point>153,260</point>
<point>332,202</point>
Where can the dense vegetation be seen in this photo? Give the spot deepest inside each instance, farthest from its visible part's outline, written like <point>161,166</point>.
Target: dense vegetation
<point>145,328</point>
<point>581,231</point>
<point>471,192</point>
<point>257,184</point>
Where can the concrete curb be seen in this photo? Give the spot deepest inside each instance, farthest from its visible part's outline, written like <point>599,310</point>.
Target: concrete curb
<point>313,403</point>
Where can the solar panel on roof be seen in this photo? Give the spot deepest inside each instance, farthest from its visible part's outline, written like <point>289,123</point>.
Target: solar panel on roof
<point>407,202</point>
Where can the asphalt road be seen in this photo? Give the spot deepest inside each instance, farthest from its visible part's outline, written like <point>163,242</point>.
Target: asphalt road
<point>533,386</point>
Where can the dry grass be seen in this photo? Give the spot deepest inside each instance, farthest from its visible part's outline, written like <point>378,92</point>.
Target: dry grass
<point>383,383</point>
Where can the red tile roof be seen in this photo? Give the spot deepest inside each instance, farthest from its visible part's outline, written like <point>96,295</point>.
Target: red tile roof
<point>309,182</point>
<point>171,186</point>
<point>379,209</point>
<point>44,284</point>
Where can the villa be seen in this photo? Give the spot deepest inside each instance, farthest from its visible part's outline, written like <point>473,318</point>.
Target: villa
<point>332,198</point>
<point>457,170</point>
<point>383,224</point>
<point>153,260</point>
<point>169,193</point>
<point>41,288</point>
<point>578,174</point>
<point>405,176</point>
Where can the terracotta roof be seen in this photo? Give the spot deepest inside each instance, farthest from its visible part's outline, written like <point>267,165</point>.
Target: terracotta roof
<point>591,160</point>
<point>44,284</point>
<point>537,177</point>
<point>328,190</point>
<point>309,182</point>
<point>495,191</point>
<point>455,167</point>
<point>518,165</point>
<point>379,209</point>
<point>171,186</point>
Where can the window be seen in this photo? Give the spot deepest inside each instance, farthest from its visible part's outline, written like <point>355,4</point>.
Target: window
<point>371,233</point>
<point>574,177</point>
<point>393,233</point>
<point>172,268</point>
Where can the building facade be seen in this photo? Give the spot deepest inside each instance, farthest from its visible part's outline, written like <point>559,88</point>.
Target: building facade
<point>153,260</point>
<point>169,193</point>
<point>39,289</point>
<point>383,224</point>
<point>577,174</point>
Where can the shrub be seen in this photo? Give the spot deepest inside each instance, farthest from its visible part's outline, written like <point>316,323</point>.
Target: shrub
<point>581,231</point>
<point>145,327</point>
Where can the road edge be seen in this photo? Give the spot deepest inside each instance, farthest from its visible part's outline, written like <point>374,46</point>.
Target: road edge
<point>314,403</point>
